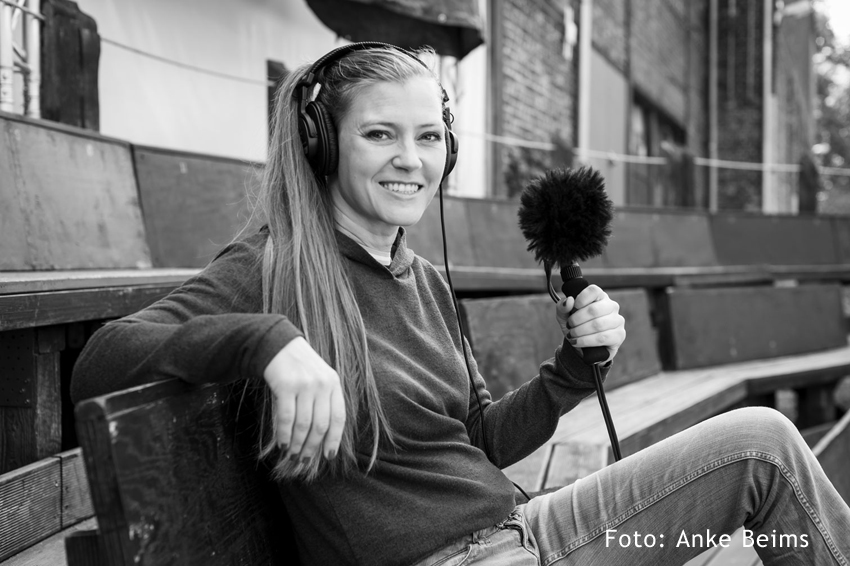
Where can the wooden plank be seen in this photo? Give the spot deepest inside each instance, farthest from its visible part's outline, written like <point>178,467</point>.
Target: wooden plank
<point>725,325</point>
<point>194,204</point>
<point>630,244</point>
<point>841,235</point>
<point>776,240</point>
<point>659,406</point>
<point>30,501</point>
<point>20,282</point>
<point>39,309</point>
<point>76,497</point>
<point>50,551</point>
<point>495,234</point>
<point>652,238</point>
<point>512,336</point>
<point>832,272</point>
<point>425,238</point>
<point>32,431</point>
<point>160,456</point>
<point>81,212</point>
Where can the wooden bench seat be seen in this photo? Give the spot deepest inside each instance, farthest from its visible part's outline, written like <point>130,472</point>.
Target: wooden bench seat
<point>41,298</point>
<point>42,499</point>
<point>657,407</point>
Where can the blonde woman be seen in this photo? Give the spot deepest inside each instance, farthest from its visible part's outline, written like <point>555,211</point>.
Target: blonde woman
<point>385,443</point>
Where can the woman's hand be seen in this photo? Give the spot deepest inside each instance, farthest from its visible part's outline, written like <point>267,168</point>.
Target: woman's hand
<point>592,319</point>
<point>310,409</point>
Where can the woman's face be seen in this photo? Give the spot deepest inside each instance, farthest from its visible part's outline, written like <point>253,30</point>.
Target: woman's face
<point>391,155</point>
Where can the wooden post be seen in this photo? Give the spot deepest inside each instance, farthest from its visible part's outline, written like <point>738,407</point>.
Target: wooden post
<point>32,33</point>
<point>815,405</point>
<point>7,70</point>
<point>30,410</point>
<point>71,49</point>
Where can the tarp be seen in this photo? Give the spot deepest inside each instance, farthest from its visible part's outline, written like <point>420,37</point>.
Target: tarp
<point>451,27</point>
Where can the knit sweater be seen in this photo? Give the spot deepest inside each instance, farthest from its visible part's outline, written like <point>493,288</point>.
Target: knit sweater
<point>437,484</point>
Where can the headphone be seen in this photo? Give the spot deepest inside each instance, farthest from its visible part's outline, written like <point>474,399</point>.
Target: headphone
<point>315,124</point>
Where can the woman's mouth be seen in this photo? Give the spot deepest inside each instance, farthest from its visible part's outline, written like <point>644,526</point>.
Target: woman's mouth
<point>402,188</point>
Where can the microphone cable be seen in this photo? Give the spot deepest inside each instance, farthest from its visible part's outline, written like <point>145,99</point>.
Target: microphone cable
<point>597,377</point>
<point>462,347</point>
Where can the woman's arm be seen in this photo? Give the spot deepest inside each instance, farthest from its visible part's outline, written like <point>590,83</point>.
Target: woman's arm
<point>521,421</point>
<point>524,419</point>
<point>210,329</point>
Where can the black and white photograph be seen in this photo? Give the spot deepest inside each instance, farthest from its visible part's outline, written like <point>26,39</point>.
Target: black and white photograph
<point>424,282</point>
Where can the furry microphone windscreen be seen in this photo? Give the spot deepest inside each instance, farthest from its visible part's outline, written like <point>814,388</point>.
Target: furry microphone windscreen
<point>566,215</point>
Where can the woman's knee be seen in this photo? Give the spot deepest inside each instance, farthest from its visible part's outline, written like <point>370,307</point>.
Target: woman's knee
<point>760,428</point>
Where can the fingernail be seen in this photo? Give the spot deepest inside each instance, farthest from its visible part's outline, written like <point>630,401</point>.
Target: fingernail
<point>283,447</point>
<point>305,461</point>
<point>572,341</point>
<point>293,457</point>
<point>332,455</point>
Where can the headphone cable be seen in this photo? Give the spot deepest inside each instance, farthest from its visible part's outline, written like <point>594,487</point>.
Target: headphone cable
<point>462,347</point>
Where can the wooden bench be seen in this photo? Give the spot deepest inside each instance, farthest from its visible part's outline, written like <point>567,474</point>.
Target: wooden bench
<point>648,248</point>
<point>712,349</point>
<point>76,251</point>
<point>109,228</point>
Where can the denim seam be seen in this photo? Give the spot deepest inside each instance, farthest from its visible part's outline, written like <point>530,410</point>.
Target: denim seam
<point>454,555</point>
<point>690,477</point>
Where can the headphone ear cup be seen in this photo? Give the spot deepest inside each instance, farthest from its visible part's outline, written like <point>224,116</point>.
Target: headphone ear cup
<point>324,159</point>
<point>451,151</point>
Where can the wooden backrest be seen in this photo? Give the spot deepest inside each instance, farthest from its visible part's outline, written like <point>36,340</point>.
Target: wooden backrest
<point>426,238</point>
<point>841,230</point>
<point>654,238</point>
<point>194,204</point>
<point>750,239</point>
<point>173,479</point>
<point>511,336</point>
<point>712,326</point>
<point>67,199</point>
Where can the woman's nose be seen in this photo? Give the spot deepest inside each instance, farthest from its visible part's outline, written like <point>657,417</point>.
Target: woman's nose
<point>407,157</point>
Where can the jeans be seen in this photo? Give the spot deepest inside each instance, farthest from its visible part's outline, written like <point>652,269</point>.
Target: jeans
<point>674,500</point>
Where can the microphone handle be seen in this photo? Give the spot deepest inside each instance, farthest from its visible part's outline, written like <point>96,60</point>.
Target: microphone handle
<point>573,284</point>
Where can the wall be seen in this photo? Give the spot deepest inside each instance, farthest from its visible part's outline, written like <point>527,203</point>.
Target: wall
<point>151,102</point>
<point>534,87</point>
<point>147,101</point>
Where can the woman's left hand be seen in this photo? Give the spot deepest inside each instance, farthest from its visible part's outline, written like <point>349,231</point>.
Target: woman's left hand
<point>592,319</point>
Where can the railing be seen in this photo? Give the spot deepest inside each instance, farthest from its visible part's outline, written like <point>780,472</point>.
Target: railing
<point>20,52</point>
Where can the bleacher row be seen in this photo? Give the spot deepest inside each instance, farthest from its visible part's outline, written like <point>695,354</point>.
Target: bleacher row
<point>722,311</point>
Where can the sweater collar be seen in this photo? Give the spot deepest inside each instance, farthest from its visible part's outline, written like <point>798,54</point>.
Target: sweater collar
<point>402,257</point>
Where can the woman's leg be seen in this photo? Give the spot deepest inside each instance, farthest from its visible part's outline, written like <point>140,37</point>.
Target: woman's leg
<point>671,501</point>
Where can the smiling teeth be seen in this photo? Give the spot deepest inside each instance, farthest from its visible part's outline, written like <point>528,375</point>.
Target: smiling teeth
<point>405,188</point>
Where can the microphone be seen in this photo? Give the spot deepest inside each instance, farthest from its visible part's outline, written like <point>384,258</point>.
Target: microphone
<point>566,216</point>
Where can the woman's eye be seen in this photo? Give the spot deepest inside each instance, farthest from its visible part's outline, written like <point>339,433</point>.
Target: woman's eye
<point>433,137</point>
<point>378,135</point>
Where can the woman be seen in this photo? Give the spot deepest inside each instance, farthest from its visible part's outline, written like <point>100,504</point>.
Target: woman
<point>385,450</point>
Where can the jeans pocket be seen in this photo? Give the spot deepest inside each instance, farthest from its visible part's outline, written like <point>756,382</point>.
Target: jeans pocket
<point>453,559</point>
<point>516,522</point>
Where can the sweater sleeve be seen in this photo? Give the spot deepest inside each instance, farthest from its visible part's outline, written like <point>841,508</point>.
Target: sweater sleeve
<point>209,330</point>
<point>521,421</point>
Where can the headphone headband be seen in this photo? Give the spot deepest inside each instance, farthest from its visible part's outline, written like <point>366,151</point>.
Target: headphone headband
<point>316,128</point>
<point>308,81</point>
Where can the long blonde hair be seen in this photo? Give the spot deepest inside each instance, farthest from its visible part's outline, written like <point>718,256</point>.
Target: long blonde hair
<point>303,274</point>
